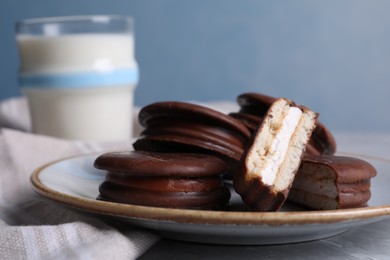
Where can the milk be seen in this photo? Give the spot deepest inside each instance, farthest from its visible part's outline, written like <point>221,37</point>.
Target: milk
<point>79,86</point>
<point>75,52</point>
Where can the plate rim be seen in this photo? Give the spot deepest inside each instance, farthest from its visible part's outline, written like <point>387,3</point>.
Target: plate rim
<point>202,216</point>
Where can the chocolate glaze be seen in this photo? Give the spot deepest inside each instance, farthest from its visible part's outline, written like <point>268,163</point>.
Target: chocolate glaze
<point>257,195</point>
<point>352,178</point>
<point>190,112</point>
<point>166,184</point>
<point>353,199</point>
<point>176,180</point>
<point>255,103</point>
<point>346,169</point>
<point>190,200</point>
<point>321,141</point>
<point>249,120</point>
<point>343,201</point>
<point>217,135</point>
<point>351,187</point>
<point>167,146</point>
<point>161,164</point>
<point>183,127</point>
<point>176,143</point>
<point>194,132</point>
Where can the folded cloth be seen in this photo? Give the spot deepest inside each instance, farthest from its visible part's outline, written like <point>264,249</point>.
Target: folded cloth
<point>32,227</point>
<point>14,114</point>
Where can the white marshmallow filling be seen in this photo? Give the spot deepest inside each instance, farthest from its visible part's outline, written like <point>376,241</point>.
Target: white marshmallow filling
<point>278,150</point>
<point>275,153</point>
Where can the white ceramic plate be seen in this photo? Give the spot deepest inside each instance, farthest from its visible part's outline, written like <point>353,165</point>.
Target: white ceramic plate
<point>74,182</point>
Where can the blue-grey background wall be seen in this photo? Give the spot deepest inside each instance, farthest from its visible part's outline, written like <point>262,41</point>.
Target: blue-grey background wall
<point>332,56</point>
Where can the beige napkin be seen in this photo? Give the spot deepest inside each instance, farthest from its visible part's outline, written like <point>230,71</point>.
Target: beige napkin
<point>14,114</point>
<point>32,227</point>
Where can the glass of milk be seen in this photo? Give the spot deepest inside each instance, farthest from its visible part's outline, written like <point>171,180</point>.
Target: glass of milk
<point>79,74</point>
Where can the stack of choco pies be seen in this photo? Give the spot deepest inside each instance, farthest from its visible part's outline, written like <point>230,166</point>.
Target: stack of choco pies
<point>272,149</point>
<point>181,157</point>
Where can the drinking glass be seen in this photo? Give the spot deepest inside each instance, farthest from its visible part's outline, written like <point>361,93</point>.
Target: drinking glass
<point>79,74</point>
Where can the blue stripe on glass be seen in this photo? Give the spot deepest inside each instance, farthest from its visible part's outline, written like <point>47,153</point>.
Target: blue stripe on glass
<point>80,80</point>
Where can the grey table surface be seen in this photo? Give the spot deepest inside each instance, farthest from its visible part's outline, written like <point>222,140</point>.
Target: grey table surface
<point>370,241</point>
